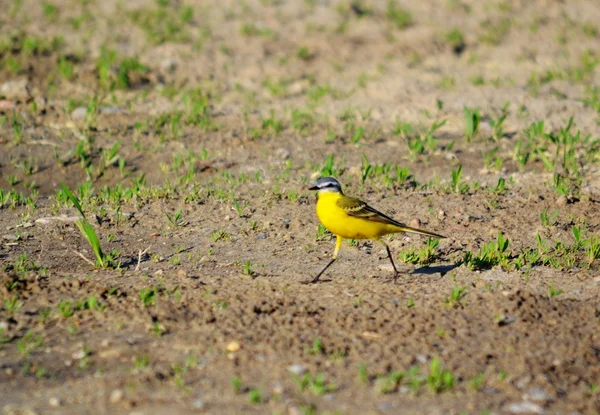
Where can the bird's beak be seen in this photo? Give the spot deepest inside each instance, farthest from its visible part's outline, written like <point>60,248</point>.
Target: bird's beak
<point>313,188</point>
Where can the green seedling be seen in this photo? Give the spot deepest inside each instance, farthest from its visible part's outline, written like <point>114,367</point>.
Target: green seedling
<point>176,219</point>
<point>439,379</point>
<point>553,291</point>
<point>472,119</point>
<point>456,297</point>
<point>148,296</point>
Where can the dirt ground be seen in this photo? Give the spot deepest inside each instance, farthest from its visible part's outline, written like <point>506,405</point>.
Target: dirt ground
<point>191,131</point>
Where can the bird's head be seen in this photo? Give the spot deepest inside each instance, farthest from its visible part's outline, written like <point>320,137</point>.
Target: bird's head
<point>327,184</point>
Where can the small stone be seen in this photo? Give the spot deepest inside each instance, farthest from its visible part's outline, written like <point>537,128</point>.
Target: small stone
<point>561,201</point>
<point>415,223</point>
<point>421,358</point>
<point>198,404</point>
<point>282,153</point>
<point>385,267</point>
<point>116,396</point>
<point>233,347</point>
<point>294,410</point>
<point>5,104</point>
<point>524,408</point>
<point>109,354</point>
<point>536,394</point>
<point>79,354</point>
<point>261,236</point>
<point>16,88</point>
<point>79,113</point>
<point>385,406</point>
<point>168,65</point>
<point>450,156</point>
<point>298,369</point>
<point>54,402</point>
<point>227,217</point>
<point>204,259</point>
<point>11,237</point>
<point>181,273</point>
<point>441,214</point>
<point>277,388</point>
<point>111,110</point>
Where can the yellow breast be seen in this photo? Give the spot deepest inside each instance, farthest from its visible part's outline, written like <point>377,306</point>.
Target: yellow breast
<point>338,222</point>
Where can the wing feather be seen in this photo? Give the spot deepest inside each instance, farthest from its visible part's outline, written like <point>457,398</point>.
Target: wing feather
<point>357,208</point>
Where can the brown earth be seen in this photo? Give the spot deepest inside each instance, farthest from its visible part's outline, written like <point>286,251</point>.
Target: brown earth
<point>228,327</point>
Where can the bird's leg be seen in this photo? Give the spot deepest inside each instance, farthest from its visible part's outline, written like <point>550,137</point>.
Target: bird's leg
<point>338,245</point>
<point>389,253</point>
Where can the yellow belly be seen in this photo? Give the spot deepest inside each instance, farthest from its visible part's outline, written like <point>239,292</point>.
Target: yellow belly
<point>338,222</point>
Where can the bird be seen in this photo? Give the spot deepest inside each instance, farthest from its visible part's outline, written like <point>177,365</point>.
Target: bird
<point>350,218</point>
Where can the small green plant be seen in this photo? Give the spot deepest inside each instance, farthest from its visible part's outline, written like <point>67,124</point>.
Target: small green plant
<point>304,53</point>
<point>424,256</point>
<point>472,119</point>
<point>247,268</point>
<point>236,384</point>
<point>457,186</point>
<point>103,260</point>
<point>456,298</point>
<point>255,396</point>
<point>363,375</point>
<point>148,296</point>
<point>142,361</point>
<point>28,343</point>
<point>489,255</point>
<point>317,347</point>
<point>176,219</point>
<point>553,291</point>
<point>66,308</point>
<point>318,385</point>
<point>12,305</point>
<point>438,378</point>
<point>398,16</point>
<point>240,207</point>
<point>548,220</point>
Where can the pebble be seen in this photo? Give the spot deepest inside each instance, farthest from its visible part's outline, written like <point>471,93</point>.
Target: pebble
<point>111,110</point>
<point>415,223</point>
<point>384,406</point>
<point>282,153</point>
<point>16,88</point>
<point>116,396</point>
<point>561,201</point>
<point>421,358</point>
<point>198,404</point>
<point>294,410</point>
<point>79,113</point>
<point>5,105</point>
<point>524,408</point>
<point>168,65</point>
<point>261,236</point>
<point>50,219</point>
<point>277,388</point>
<point>54,402</point>
<point>298,369</point>
<point>536,394</point>
<point>385,267</point>
<point>233,347</point>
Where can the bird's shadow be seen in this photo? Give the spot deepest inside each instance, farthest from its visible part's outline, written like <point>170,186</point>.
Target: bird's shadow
<point>441,269</point>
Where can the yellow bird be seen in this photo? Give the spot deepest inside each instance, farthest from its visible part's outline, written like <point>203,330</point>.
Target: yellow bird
<point>351,218</point>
